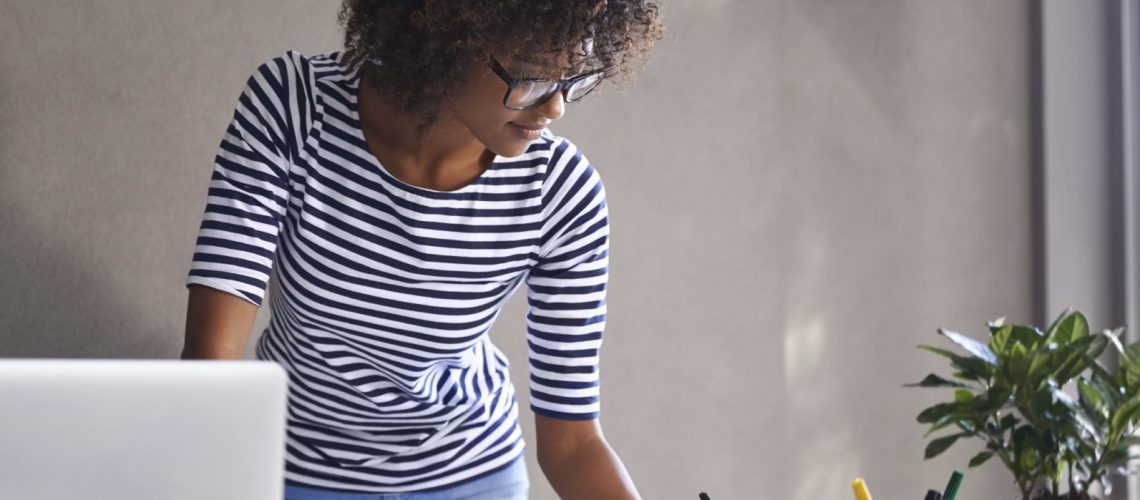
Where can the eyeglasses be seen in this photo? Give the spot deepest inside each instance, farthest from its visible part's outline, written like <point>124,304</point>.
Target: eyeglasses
<point>526,93</point>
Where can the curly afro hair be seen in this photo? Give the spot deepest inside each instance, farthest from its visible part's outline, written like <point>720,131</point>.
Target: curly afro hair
<point>426,47</point>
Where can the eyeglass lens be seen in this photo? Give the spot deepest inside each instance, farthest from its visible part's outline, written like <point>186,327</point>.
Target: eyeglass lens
<point>531,93</point>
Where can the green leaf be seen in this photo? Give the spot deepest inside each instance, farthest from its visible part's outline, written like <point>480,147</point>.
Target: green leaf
<point>965,376</point>
<point>939,351</point>
<point>977,349</point>
<point>1043,398</point>
<point>971,368</point>
<point>1038,367</point>
<point>1069,327</point>
<point>963,396</point>
<point>1026,335</point>
<point>996,325</point>
<point>936,413</point>
<point>980,458</point>
<point>1130,361</point>
<point>1077,415</point>
<point>933,380</point>
<point>992,401</point>
<point>1079,356</point>
<point>1096,347</point>
<point>1093,397</point>
<point>1018,363</point>
<point>1107,382</point>
<point>1125,414</point>
<point>976,368</point>
<point>999,338</point>
<point>967,426</point>
<point>1028,458</point>
<point>942,423</point>
<point>940,445</point>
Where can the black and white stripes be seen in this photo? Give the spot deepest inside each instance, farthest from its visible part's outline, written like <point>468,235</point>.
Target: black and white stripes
<point>384,292</point>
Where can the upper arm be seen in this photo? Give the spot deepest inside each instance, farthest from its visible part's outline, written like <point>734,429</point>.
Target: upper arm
<point>566,291</point>
<point>249,188</point>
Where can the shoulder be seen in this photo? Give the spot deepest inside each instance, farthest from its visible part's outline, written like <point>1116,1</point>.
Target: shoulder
<point>572,183</point>
<point>279,96</point>
<point>289,70</point>
<point>568,163</point>
<point>293,74</point>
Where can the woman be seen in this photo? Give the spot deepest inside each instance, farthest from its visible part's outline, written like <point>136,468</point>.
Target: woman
<point>402,189</point>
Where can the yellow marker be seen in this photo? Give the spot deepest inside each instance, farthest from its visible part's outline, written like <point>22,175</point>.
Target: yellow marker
<point>860,488</point>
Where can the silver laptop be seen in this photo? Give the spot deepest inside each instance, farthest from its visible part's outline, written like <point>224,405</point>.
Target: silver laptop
<point>141,429</point>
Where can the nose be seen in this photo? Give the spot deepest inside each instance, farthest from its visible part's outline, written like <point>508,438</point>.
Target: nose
<point>554,107</point>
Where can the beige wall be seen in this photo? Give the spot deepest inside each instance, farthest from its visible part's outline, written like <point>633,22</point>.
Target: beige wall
<point>800,192</point>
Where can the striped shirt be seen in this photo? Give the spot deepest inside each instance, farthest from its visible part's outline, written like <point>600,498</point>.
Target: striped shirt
<point>384,292</point>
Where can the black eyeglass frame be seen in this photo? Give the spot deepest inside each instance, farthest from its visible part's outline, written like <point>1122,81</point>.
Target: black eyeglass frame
<point>560,85</point>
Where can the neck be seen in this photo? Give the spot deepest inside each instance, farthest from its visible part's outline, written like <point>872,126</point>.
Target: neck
<point>446,149</point>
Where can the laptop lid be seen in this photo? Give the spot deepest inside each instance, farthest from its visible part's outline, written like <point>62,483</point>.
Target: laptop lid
<point>141,429</point>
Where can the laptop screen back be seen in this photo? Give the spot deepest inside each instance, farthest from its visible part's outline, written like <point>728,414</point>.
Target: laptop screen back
<point>141,429</point>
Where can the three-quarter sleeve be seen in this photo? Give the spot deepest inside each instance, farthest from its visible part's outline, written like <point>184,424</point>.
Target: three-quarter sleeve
<point>249,189</point>
<point>566,296</point>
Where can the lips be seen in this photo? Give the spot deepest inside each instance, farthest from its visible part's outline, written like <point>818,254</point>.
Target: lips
<point>528,132</point>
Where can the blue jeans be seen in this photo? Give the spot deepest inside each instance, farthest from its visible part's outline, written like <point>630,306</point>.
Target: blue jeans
<point>508,483</point>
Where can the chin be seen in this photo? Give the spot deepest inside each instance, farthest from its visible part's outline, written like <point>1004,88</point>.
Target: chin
<point>510,149</point>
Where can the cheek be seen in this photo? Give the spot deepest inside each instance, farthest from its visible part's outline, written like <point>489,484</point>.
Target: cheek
<point>492,109</point>
<point>487,122</point>
<point>482,111</point>
<point>482,107</point>
<point>490,114</point>
<point>487,93</point>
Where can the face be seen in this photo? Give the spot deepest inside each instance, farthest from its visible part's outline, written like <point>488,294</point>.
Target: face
<point>506,132</point>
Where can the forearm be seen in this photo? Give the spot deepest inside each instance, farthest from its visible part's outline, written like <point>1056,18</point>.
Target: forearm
<point>591,470</point>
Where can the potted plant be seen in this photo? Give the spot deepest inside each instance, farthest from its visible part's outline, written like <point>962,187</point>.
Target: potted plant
<point>1041,403</point>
